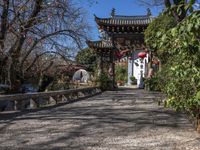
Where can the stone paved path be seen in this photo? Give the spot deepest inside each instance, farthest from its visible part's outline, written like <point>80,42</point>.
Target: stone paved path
<point>128,119</point>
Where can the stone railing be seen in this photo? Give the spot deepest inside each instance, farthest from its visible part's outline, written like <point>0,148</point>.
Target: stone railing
<point>44,99</point>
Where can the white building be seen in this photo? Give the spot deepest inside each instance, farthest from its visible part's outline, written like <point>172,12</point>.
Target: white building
<point>136,66</point>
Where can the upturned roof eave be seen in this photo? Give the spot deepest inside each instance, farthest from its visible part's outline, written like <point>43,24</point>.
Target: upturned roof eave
<point>98,44</point>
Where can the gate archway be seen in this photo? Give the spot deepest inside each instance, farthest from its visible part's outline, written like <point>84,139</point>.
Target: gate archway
<point>121,37</point>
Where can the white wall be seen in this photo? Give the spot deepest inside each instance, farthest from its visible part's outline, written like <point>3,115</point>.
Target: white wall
<point>135,65</point>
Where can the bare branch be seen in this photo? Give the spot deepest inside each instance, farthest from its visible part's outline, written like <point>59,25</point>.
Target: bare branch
<point>4,22</point>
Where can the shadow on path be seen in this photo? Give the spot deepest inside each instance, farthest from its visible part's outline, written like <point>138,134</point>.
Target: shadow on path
<point>122,119</point>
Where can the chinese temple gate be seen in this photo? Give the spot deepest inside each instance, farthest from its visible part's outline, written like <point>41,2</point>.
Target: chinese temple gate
<point>121,37</point>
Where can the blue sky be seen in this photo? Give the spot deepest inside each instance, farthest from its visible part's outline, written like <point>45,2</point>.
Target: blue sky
<point>103,9</point>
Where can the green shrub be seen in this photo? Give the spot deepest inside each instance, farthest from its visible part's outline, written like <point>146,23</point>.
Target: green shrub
<point>153,83</point>
<point>104,82</point>
<point>133,80</point>
<point>121,73</point>
<point>180,74</point>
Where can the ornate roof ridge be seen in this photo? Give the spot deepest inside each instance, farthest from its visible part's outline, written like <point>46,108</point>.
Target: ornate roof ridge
<point>131,17</point>
<point>124,17</point>
<point>125,20</point>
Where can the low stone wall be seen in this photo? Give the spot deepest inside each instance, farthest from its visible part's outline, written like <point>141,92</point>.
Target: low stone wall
<point>43,99</point>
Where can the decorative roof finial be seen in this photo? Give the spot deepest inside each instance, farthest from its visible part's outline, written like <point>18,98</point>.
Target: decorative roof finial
<point>149,12</point>
<point>113,12</point>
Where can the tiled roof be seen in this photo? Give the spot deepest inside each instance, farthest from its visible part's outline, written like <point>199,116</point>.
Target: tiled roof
<point>125,20</point>
<point>100,44</point>
<point>108,45</point>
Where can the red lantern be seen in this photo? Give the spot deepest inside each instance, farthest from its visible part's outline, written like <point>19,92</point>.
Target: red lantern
<point>142,54</point>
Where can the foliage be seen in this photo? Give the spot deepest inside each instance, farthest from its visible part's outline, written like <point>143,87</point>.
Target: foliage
<point>179,9</point>
<point>153,83</point>
<point>181,70</point>
<point>154,32</point>
<point>133,80</point>
<point>59,86</point>
<point>121,73</point>
<point>104,82</point>
<point>87,57</point>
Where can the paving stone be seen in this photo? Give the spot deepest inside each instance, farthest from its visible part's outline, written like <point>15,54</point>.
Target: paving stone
<point>127,119</point>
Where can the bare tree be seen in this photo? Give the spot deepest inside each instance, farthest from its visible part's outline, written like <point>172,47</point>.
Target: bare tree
<point>30,28</point>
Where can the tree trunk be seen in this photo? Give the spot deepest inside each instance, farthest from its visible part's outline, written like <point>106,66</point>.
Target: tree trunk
<point>15,75</point>
<point>16,78</point>
<point>44,82</point>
